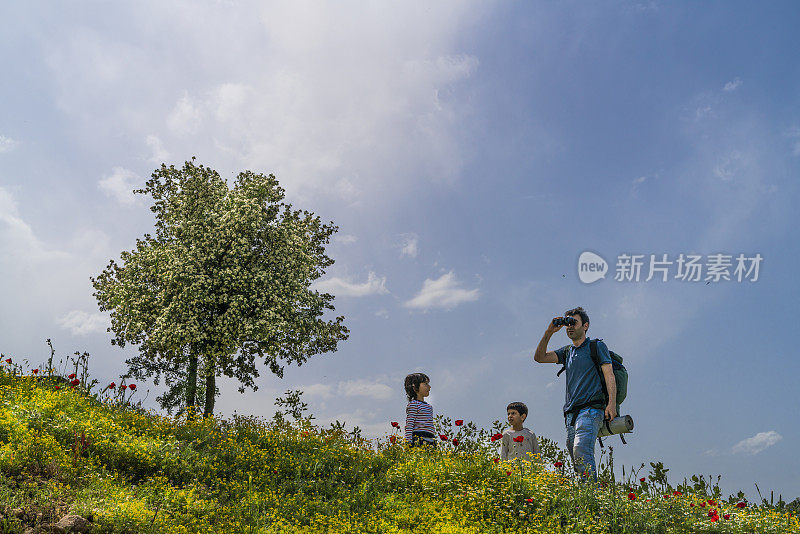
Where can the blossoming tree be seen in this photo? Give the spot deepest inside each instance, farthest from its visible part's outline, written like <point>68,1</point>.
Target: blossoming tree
<point>223,284</point>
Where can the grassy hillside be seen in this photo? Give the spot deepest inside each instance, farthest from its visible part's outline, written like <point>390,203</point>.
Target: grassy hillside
<point>64,451</point>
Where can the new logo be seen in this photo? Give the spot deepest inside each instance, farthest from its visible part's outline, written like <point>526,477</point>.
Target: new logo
<point>591,267</point>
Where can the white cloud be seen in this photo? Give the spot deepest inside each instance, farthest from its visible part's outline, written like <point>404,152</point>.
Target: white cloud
<point>410,246</point>
<point>345,239</point>
<point>321,391</point>
<point>17,239</point>
<point>160,154</point>
<point>728,166</point>
<point>732,85</point>
<point>7,144</point>
<point>757,443</point>
<point>310,92</point>
<point>636,184</point>
<point>343,288</point>
<point>120,185</point>
<point>230,101</point>
<point>794,134</point>
<point>347,190</point>
<point>92,243</point>
<point>375,390</point>
<point>444,293</point>
<point>185,117</point>
<point>702,112</point>
<point>81,323</point>
<point>365,388</point>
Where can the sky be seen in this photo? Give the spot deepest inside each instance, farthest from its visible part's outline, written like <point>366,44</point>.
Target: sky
<point>470,154</point>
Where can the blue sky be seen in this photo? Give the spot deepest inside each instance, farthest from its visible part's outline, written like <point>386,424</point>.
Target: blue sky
<point>469,152</point>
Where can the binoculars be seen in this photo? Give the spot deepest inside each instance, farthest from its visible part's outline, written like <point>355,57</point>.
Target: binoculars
<point>564,321</point>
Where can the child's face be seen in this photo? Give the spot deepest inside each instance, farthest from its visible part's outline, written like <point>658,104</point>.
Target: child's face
<point>423,390</point>
<point>515,419</point>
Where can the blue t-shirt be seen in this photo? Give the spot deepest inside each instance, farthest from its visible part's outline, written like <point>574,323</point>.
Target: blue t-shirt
<point>584,387</point>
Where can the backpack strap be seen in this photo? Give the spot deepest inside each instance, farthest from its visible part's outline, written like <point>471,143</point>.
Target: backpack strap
<point>566,355</point>
<point>596,360</point>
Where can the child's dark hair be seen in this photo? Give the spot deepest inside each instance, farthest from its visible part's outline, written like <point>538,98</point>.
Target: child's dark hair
<point>519,407</point>
<point>412,384</point>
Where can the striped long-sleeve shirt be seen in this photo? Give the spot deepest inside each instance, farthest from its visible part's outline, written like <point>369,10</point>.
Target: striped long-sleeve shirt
<point>419,416</point>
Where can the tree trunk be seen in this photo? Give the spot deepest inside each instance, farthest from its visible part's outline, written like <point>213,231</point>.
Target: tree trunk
<point>191,384</point>
<point>211,388</point>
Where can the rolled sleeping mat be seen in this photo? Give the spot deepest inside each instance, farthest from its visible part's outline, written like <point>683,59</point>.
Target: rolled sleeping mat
<point>618,425</point>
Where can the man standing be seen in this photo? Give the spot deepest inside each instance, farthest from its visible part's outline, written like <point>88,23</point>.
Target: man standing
<point>585,404</point>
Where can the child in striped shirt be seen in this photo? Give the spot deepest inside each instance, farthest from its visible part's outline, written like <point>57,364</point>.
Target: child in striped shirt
<point>419,414</point>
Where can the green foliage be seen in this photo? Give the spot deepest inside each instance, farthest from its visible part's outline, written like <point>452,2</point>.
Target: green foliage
<point>223,284</point>
<point>67,451</point>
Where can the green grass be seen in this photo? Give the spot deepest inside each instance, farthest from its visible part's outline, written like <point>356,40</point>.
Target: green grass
<point>130,471</point>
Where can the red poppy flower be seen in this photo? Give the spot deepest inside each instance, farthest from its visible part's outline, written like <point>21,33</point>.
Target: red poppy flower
<point>392,439</point>
<point>71,376</point>
<point>112,385</point>
<point>714,519</point>
<point>496,437</point>
<point>558,464</point>
<point>666,496</point>
<point>132,387</point>
<point>711,502</point>
<point>712,513</point>
<point>632,496</point>
<point>692,505</point>
<point>508,473</point>
<point>395,424</point>
<point>455,441</point>
<point>519,439</point>
<point>642,480</point>
<point>677,493</point>
<point>123,386</point>
<point>529,500</point>
<point>443,437</point>
<point>58,387</point>
<point>648,500</point>
<point>35,371</point>
<point>703,504</point>
<point>496,460</point>
<point>727,516</point>
<point>75,382</point>
<point>8,360</point>
<point>740,505</point>
<point>459,422</point>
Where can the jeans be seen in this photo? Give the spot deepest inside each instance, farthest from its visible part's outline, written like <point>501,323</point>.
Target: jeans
<point>420,438</point>
<point>582,429</point>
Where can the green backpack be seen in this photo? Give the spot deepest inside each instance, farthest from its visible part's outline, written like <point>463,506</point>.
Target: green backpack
<point>620,373</point>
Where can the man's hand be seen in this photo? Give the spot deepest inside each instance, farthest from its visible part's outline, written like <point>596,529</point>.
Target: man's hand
<point>551,328</point>
<point>611,412</point>
<point>541,355</point>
